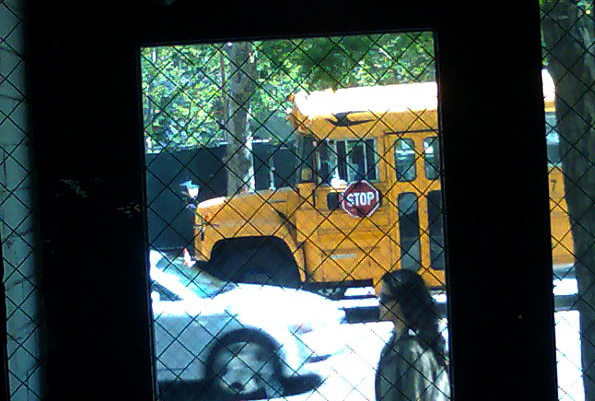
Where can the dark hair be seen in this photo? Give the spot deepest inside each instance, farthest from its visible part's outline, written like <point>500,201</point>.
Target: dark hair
<point>409,290</point>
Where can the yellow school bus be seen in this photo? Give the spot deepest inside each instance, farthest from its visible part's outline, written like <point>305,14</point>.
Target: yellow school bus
<point>368,198</point>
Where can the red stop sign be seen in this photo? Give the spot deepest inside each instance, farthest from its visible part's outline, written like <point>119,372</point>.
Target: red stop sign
<point>360,199</point>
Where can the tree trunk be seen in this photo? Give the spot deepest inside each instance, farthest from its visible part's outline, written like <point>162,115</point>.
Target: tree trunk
<point>238,158</point>
<point>568,34</point>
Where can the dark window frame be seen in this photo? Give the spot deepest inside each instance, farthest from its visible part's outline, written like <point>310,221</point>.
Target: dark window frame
<point>69,47</point>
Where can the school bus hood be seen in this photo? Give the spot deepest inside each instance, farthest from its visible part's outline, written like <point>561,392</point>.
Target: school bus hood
<point>248,206</point>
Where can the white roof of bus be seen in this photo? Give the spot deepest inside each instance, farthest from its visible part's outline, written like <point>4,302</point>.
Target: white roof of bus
<point>415,96</point>
<point>381,98</point>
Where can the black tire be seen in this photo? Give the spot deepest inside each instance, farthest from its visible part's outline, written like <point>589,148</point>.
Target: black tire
<point>260,260</point>
<point>244,366</point>
<point>334,294</point>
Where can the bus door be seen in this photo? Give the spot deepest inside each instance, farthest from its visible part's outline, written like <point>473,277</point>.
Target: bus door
<point>417,201</point>
<point>350,248</point>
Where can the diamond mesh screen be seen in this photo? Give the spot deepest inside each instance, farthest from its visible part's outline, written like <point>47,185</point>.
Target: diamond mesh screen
<point>285,178</point>
<point>568,32</point>
<point>19,244</point>
<point>234,120</point>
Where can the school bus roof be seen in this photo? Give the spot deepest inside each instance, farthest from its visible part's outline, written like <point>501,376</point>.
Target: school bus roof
<point>366,111</point>
<point>375,110</point>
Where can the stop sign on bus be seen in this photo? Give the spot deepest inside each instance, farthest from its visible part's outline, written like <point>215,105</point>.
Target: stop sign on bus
<point>360,199</point>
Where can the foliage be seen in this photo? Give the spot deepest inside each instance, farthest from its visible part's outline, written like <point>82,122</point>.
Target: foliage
<point>582,7</point>
<point>184,87</point>
<point>181,98</point>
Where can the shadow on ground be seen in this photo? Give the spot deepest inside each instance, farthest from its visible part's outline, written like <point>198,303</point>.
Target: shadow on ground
<point>198,391</point>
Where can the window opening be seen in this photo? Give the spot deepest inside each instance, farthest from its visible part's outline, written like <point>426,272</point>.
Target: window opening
<point>568,99</point>
<point>409,231</point>
<point>270,177</point>
<point>25,327</point>
<point>552,139</point>
<point>348,160</point>
<point>432,158</point>
<point>405,159</point>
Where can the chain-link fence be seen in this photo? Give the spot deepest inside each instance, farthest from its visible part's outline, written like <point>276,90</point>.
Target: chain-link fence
<point>17,213</point>
<point>303,170</point>
<point>356,192</point>
<point>286,178</point>
<point>568,37</point>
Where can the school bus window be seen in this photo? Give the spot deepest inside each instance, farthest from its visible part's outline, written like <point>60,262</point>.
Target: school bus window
<point>371,154</point>
<point>409,231</point>
<point>347,160</point>
<point>405,159</point>
<point>552,138</point>
<point>360,161</point>
<point>431,158</point>
<point>553,148</point>
<point>436,230</point>
<point>327,169</point>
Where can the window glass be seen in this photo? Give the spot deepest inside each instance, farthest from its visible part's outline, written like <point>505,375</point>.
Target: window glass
<point>361,160</point>
<point>356,161</point>
<point>225,124</point>
<point>432,158</point>
<point>405,159</point>
<point>552,138</point>
<point>569,116</point>
<point>436,230</point>
<point>409,231</point>
<point>347,161</point>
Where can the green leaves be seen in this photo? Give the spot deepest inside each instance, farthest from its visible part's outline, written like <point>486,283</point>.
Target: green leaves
<point>185,87</point>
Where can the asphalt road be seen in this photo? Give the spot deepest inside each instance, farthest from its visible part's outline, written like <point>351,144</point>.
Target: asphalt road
<point>351,373</point>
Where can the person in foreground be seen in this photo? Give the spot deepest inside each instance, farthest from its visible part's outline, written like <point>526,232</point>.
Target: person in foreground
<point>413,365</point>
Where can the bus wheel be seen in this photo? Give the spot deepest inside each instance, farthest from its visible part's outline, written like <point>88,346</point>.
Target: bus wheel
<point>335,293</point>
<point>259,262</point>
<point>244,366</point>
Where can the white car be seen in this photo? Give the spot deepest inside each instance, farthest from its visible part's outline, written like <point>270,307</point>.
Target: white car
<point>244,340</point>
